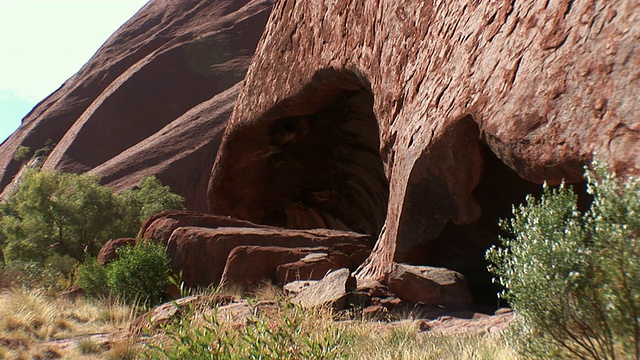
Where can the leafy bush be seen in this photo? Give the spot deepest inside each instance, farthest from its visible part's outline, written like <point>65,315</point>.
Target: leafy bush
<point>574,278</point>
<point>149,197</point>
<point>92,277</point>
<point>140,273</point>
<point>51,213</point>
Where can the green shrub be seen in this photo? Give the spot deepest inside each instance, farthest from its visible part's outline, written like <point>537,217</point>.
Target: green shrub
<point>52,213</point>
<point>22,153</point>
<point>149,197</point>
<point>140,273</point>
<point>92,277</point>
<point>573,278</point>
<point>58,219</point>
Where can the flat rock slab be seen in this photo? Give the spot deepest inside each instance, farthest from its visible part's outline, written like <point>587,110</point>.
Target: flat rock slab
<point>428,285</point>
<point>479,324</point>
<point>332,290</point>
<point>201,253</point>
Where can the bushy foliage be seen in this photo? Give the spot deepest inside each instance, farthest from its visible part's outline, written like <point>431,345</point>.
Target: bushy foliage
<point>22,153</point>
<point>92,277</point>
<point>149,197</point>
<point>52,213</point>
<point>573,278</point>
<point>141,273</point>
<point>30,275</point>
<point>73,215</point>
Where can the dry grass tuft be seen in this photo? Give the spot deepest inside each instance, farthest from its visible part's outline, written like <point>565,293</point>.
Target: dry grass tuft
<point>30,318</point>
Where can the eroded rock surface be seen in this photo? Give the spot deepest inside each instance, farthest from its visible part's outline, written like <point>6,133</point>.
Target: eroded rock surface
<point>331,291</point>
<point>153,100</point>
<point>379,117</point>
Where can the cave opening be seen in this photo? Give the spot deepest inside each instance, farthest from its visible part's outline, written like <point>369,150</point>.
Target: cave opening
<point>461,247</point>
<point>433,232</point>
<point>311,161</point>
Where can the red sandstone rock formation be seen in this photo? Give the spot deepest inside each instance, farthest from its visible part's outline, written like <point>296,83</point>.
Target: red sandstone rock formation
<point>153,100</point>
<point>388,117</point>
<point>108,252</point>
<point>251,265</point>
<point>416,123</point>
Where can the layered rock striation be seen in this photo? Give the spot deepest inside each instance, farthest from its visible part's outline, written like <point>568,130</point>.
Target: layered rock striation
<point>153,100</point>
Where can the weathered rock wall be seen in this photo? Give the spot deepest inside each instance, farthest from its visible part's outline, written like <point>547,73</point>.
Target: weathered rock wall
<point>153,100</point>
<point>542,85</point>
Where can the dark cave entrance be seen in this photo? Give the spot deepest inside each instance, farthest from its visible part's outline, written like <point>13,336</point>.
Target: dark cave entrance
<point>431,233</point>
<point>462,247</point>
<point>312,161</point>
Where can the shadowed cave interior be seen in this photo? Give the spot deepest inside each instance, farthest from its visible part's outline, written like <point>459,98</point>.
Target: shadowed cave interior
<point>311,161</point>
<point>461,247</point>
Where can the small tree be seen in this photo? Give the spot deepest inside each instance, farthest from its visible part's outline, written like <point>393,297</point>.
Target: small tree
<point>573,278</point>
<point>68,214</point>
<point>72,214</point>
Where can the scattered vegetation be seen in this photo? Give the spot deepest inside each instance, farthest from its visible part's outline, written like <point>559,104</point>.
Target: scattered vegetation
<point>92,278</point>
<point>573,278</point>
<point>279,330</point>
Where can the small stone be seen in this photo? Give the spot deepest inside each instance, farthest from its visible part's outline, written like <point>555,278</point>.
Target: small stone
<point>330,291</point>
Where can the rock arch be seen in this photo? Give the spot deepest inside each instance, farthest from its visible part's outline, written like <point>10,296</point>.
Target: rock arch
<point>311,161</point>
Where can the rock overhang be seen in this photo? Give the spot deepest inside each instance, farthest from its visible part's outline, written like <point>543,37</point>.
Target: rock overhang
<point>311,161</point>
<point>538,85</point>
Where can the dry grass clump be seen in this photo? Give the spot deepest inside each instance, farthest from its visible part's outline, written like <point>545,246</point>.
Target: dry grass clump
<point>406,342</point>
<point>30,318</point>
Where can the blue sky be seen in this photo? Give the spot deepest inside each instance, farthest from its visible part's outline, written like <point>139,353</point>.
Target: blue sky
<point>44,42</point>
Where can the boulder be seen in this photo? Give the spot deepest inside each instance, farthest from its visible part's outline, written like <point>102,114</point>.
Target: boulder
<point>201,253</point>
<point>332,291</point>
<point>428,285</point>
<point>73,293</point>
<point>108,251</point>
<point>297,286</point>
